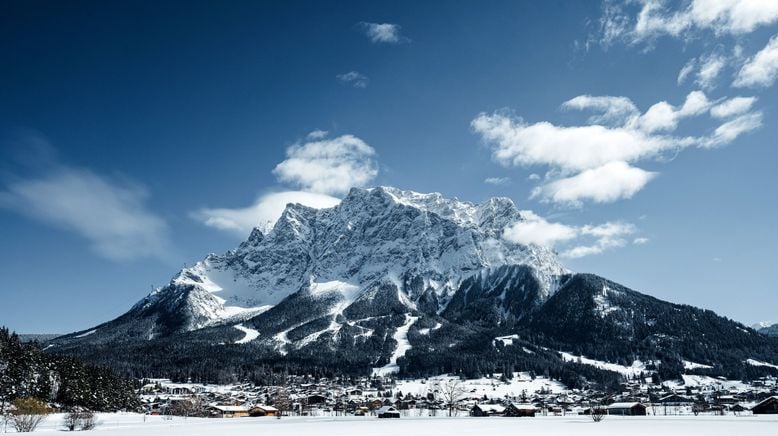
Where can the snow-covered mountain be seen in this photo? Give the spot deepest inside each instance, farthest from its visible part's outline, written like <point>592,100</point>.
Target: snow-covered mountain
<point>767,328</point>
<point>417,243</point>
<point>390,278</point>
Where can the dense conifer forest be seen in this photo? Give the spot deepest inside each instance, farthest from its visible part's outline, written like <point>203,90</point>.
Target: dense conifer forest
<point>27,372</point>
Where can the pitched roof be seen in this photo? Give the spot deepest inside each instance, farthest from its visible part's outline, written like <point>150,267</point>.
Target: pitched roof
<point>623,405</point>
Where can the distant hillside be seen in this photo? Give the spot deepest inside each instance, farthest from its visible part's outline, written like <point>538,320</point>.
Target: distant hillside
<point>768,329</point>
<point>42,337</point>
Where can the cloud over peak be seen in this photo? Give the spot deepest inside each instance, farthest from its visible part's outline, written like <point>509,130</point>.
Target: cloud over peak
<point>263,213</point>
<point>577,241</point>
<point>328,166</point>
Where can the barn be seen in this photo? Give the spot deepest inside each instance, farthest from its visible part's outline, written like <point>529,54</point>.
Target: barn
<point>487,410</point>
<point>519,410</point>
<point>263,411</point>
<point>388,412</point>
<point>228,411</point>
<point>627,409</point>
<point>768,406</point>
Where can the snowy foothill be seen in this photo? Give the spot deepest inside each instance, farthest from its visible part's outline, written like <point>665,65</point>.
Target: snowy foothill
<point>123,424</point>
<point>694,365</point>
<point>635,370</point>
<point>754,362</point>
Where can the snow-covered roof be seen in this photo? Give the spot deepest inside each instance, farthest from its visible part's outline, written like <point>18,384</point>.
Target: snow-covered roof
<point>623,405</point>
<point>491,408</point>
<point>231,408</point>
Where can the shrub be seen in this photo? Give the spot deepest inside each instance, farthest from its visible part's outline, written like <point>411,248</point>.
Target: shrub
<point>28,413</point>
<point>598,414</point>
<point>79,419</point>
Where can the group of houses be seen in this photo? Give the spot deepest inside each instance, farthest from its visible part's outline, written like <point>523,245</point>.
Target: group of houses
<point>382,397</point>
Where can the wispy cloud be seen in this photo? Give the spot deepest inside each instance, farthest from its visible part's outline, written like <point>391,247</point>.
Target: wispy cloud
<point>386,33</point>
<point>646,20</point>
<point>354,78</point>
<point>328,166</point>
<point>592,162</point>
<point>110,214</point>
<point>497,181</point>
<point>263,213</point>
<point>577,241</point>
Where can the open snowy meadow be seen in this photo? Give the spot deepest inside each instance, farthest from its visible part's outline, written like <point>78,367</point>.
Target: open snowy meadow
<point>134,425</point>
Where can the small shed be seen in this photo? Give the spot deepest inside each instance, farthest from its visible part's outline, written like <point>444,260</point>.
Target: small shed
<point>388,412</point>
<point>768,406</point>
<point>519,410</point>
<point>487,410</point>
<point>627,409</point>
<point>263,410</point>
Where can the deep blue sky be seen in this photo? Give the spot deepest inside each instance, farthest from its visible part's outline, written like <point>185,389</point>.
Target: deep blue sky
<point>191,105</point>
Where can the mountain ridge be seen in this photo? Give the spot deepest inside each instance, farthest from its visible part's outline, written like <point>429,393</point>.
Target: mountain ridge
<point>396,279</point>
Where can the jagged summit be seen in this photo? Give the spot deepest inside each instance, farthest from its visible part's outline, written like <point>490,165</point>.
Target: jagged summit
<point>422,245</point>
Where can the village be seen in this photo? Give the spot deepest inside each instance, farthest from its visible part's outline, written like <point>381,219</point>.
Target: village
<point>519,396</point>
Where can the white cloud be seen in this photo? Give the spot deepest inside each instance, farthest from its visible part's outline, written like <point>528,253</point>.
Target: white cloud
<point>608,183</point>
<point>606,237</point>
<point>663,116</point>
<point>762,69</point>
<point>590,162</point>
<point>710,69</point>
<point>536,230</point>
<point>112,216</point>
<point>733,106</point>
<point>383,32</point>
<point>707,69</point>
<point>613,110</point>
<point>328,166</point>
<point>497,180</point>
<point>640,241</point>
<point>317,134</point>
<point>263,213</point>
<point>645,20</point>
<point>354,78</point>
<point>686,71</point>
<point>579,241</point>
<point>727,132</point>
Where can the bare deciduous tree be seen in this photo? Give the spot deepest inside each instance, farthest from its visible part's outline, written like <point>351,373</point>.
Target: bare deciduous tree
<point>189,407</point>
<point>452,392</point>
<point>281,400</point>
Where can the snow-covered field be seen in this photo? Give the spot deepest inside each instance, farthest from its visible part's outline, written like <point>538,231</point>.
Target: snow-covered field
<point>134,425</point>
